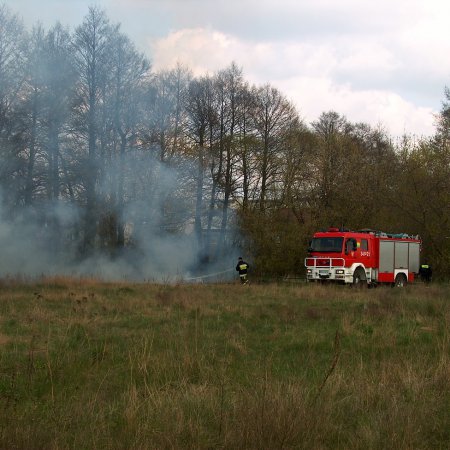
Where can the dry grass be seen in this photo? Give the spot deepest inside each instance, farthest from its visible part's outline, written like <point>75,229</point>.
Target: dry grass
<point>85,364</point>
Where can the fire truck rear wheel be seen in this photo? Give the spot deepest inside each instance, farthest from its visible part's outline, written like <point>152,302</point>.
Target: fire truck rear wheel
<point>400,280</point>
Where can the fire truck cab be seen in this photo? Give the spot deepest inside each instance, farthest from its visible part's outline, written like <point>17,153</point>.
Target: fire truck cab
<point>363,257</point>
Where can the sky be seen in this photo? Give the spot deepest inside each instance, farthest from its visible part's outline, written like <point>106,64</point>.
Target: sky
<point>383,62</point>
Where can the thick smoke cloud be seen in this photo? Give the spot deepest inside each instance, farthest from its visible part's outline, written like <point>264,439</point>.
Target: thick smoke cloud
<point>44,240</point>
<point>102,169</point>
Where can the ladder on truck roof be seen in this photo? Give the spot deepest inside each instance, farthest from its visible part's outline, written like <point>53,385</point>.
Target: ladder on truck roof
<point>376,233</point>
<point>389,235</point>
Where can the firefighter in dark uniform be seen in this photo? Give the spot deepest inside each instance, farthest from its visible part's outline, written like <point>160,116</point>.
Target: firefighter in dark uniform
<point>242,267</point>
<point>425,273</point>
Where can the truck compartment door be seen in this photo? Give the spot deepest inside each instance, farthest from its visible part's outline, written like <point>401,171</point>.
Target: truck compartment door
<point>414,257</point>
<point>386,256</point>
<point>401,255</point>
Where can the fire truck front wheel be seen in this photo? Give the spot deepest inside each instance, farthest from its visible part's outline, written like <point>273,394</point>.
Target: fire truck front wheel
<point>359,278</point>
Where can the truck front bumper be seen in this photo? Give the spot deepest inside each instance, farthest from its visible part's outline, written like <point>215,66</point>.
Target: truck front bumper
<point>327,274</point>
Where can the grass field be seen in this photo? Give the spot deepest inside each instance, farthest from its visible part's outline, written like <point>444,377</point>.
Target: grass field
<point>85,364</point>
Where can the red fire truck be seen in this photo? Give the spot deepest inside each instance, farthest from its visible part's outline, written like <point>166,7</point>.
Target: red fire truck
<point>363,257</point>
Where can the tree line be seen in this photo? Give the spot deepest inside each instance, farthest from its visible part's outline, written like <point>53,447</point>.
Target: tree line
<point>85,122</point>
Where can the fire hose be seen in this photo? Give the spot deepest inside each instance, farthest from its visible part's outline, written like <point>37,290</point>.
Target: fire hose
<point>209,275</point>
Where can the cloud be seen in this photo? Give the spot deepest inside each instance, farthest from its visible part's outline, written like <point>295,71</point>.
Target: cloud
<point>352,79</point>
<point>376,107</point>
<point>391,52</point>
<point>381,61</point>
<point>260,20</point>
<point>200,49</point>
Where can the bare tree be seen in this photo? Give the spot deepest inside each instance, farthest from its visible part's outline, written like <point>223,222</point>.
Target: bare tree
<point>247,146</point>
<point>33,89</point>
<point>229,86</point>
<point>59,82</point>
<point>166,112</point>
<point>91,55</point>
<point>198,117</point>
<point>273,118</point>
<point>12,76</point>
<point>129,74</point>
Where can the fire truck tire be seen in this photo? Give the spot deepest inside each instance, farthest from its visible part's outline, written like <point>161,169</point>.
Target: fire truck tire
<point>359,278</point>
<point>400,280</point>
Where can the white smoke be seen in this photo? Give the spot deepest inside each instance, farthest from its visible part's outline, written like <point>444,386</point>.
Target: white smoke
<point>160,243</point>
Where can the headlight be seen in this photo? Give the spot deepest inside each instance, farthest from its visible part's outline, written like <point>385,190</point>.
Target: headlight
<point>308,271</point>
<point>339,271</point>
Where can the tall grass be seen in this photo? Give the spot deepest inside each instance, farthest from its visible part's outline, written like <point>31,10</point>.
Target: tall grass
<point>85,364</point>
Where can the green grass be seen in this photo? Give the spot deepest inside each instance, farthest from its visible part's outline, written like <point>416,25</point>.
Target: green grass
<point>85,364</point>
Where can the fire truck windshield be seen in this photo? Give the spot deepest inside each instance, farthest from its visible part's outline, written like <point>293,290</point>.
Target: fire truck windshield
<point>327,244</point>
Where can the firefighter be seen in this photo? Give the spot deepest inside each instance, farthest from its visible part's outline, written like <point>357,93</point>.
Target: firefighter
<point>425,273</point>
<point>242,267</point>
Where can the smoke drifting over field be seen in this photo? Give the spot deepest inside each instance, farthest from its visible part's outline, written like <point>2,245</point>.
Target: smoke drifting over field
<point>104,167</point>
<point>160,246</point>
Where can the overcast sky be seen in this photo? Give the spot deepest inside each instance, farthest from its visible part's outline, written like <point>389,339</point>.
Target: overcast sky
<point>384,62</point>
